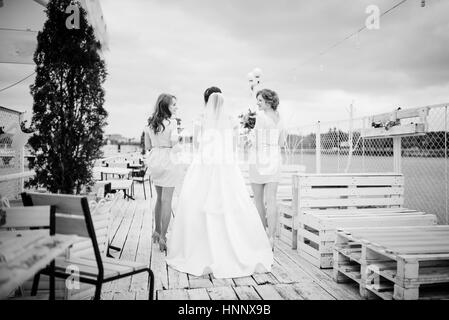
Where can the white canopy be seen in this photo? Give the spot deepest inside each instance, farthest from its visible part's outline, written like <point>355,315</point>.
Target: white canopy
<point>18,41</point>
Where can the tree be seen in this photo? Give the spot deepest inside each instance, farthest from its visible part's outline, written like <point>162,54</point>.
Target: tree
<point>68,114</point>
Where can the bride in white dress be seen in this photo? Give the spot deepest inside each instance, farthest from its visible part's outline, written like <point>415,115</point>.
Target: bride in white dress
<point>217,228</point>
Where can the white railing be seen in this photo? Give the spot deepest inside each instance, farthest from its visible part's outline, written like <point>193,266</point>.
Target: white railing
<point>15,176</point>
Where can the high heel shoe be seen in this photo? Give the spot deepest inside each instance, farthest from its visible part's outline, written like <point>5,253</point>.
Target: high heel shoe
<point>163,244</point>
<point>155,237</point>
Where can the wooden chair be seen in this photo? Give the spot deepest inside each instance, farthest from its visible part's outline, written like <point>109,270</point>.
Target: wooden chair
<point>73,217</point>
<point>38,217</point>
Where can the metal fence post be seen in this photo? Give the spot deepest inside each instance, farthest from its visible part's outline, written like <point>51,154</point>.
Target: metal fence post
<point>397,154</point>
<point>446,115</point>
<point>318,148</point>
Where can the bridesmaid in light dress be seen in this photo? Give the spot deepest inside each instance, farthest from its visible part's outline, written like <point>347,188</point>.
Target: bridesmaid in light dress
<point>162,136</point>
<point>266,161</point>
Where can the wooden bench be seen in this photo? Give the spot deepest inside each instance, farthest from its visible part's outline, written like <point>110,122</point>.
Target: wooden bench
<point>285,184</point>
<point>401,263</point>
<point>323,203</point>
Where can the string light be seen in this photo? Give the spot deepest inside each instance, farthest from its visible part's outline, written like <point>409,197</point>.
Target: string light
<point>338,43</point>
<point>16,83</point>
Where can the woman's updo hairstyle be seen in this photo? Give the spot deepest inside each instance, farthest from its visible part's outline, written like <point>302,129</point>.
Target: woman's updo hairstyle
<point>270,96</point>
<point>209,91</point>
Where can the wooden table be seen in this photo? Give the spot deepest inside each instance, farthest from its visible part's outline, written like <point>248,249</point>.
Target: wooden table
<point>24,253</point>
<point>124,185</point>
<point>135,165</point>
<point>116,171</point>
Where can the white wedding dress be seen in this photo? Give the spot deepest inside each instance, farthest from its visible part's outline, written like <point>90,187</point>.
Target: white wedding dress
<point>216,228</point>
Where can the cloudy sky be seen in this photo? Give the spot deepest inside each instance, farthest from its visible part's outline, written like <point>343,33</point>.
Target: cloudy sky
<point>182,47</point>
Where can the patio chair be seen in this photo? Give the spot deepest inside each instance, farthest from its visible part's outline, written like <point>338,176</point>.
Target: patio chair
<point>140,176</point>
<point>73,217</point>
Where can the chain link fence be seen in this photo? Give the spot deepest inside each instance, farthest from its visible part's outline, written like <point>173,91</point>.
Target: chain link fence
<point>343,148</point>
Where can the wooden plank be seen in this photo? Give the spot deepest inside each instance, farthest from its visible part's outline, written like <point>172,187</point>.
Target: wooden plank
<point>295,273</point>
<point>268,292</point>
<point>244,281</point>
<point>173,294</point>
<point>198,294</point>
<point>287,292</point>
<point>222,282</point>
<point>118,239</point>
<point>222,293</point>
<point>310,254</point>
<point>199,282</point>
<point>330,212</point>
<point>356,180</point>
<point>246,293</point>
<point>124,295</point>
<point>402,130</point>
<point>118,214</point>
<point>129,249</point>
<point>107,295</point>
<point>351,202</point>
<point>323,279</point>
<point>334,223</point>
<point>140,282</point>
<point>281,274</point>
<point>339,192</point>
<point>312,291</point>
<point>176,279</point>
<point>142,295</point>
<point>265,278</point>
<point>65,204</point>
<point>158,264</point>
<point>159,268</point>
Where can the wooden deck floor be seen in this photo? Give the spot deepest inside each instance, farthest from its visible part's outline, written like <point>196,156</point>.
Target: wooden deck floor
<point>291,278</point>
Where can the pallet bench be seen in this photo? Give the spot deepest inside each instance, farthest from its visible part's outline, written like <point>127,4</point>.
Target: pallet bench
<point>285,184</point>
<point>401,263</point>
<point>324,202</point>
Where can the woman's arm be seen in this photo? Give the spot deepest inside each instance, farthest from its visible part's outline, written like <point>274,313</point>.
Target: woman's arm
<point>174,135</point>
<point>148,144</point>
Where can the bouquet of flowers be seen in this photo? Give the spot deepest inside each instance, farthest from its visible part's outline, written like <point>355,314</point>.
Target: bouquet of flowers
<point>248,120</point>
